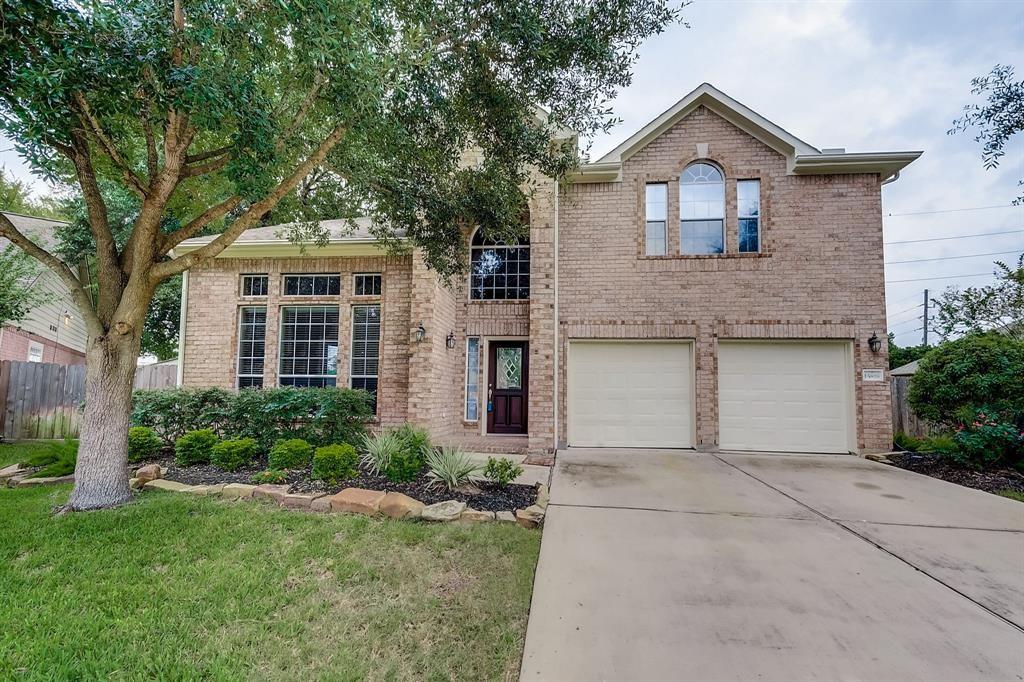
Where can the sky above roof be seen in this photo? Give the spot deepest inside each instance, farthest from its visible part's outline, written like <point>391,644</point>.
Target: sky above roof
<point>867,76</point>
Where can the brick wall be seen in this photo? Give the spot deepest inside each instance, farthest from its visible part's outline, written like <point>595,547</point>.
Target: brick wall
<point>819,274</point>
<point>214,298</point>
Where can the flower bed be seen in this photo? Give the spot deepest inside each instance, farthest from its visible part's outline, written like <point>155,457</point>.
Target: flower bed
<point>938,466</point>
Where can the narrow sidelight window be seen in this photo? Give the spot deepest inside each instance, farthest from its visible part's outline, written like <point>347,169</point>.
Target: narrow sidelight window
<point>252,335</point>
<point>657,219</point>
<point>701,210</point>
<point>254,285</point>
<point>366,349</point>
<point>472,379</point>
<point>367,284</point>
<point>309,346</point>
<point>748,204</point>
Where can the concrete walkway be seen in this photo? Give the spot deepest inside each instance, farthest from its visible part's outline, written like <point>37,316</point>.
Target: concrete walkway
<point>668,565</point>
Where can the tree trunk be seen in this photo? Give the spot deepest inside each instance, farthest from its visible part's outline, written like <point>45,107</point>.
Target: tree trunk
<point>101,471</point>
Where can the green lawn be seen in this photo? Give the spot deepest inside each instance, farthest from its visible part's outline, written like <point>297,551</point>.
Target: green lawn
<point>12,453</point>
<point>181,587</point>
<point>1012,494</point>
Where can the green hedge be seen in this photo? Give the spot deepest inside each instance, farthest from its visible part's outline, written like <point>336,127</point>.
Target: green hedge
<point>333,463</point>
<point>293,453</point>
<point>231,455</point>
<point>195,447</point>
<point>321,416</point>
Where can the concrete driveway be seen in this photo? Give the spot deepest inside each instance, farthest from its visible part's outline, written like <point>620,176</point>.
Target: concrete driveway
<point>667,565</point>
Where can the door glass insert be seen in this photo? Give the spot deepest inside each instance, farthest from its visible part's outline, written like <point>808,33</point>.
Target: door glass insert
<point>510,368</point>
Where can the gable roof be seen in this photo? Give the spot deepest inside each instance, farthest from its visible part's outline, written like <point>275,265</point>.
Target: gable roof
<point>801,157</point>
<point>39,230</point>
<point>344,237</point>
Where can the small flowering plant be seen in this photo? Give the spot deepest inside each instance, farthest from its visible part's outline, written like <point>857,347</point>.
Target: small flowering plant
<point>987,439</point>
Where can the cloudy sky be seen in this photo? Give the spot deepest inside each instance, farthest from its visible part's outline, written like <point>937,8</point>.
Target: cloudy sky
<point>868,76</point>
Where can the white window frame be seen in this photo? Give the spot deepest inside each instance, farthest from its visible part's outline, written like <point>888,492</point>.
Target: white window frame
<point>355,287</point>
<point>281,341</point>
<point>740,217</point>
<point>476,379</point>
<point>253,276</point>
<point>238,349</point>
<point>352,376</point>
<point>35,346</point>
<point>683,221</point>
<point>649,220</point>
<point>474,248</point>
<point>314,276</point>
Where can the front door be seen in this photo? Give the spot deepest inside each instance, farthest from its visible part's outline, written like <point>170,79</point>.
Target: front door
<point>507,381</point>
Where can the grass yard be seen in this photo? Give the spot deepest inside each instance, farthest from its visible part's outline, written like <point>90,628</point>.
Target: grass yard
<point>1012,494</point>
<point>181,587</point>
<point>12,453</point>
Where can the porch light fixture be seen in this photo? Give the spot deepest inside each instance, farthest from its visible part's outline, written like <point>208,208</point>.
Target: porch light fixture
<point>449,340</point>
<point>421,333</point>
<point>874,343</point>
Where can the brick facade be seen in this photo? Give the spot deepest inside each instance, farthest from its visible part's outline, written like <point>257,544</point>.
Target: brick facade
<point>819,275</point>
<point>14,345</point>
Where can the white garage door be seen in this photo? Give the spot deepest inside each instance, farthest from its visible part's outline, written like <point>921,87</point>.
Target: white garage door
<point>630,394</point>
<point>791,396</point>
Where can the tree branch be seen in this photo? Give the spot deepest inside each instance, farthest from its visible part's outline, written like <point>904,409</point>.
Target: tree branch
<point>203,156</point>
<point>307,104</point>
<point>94,127</point>
<point>177,265</point>
<point>203,168</point>
<point>196,225</point>
<point>78,293</point>
<point>152,163</point>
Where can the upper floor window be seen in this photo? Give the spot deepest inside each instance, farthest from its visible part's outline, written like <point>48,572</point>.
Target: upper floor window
<point>367,284</point>
<point>748,210</point>
<point>312,285</point>
<point>657,219</point>
<point>701,210</point>
<point>254,285</point>
<point>498,271</point>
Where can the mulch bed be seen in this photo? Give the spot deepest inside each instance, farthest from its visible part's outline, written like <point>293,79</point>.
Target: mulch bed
<point>490,497</point>
<point>936,466</point>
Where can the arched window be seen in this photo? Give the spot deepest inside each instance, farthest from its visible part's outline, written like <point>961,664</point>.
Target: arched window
<point>498,271</point>
<point>701,210</point>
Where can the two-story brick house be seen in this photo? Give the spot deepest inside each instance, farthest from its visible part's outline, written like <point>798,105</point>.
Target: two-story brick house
<point>712,282</point>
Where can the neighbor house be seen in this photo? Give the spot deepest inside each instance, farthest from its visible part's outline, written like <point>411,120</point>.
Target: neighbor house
<point>53,331</point>
<point>712,282</point>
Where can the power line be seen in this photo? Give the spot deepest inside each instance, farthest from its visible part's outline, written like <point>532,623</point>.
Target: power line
<point>926,279</point>
<point>898,302</point>
<point>960,236</point>
<point>950,210</point>
<point>907,310</point>
<point>912,320</point>
<point>973,255</point>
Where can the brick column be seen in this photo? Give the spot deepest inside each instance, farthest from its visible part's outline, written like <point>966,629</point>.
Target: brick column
<point>542,322</point>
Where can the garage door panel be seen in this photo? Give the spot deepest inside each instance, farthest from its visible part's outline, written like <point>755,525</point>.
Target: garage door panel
<point>630,394</point>
<point>784,396</point>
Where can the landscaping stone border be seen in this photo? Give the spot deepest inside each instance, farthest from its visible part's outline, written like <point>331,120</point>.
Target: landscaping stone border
<point>350,500</point>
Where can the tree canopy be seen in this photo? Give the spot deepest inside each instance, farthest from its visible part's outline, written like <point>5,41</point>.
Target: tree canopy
<point>993,307</point>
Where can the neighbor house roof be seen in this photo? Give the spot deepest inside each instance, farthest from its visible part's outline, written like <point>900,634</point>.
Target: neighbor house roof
<point>344,237</point>
<point>39,230</point>
<point>801,158</point>
<point>904,370</point>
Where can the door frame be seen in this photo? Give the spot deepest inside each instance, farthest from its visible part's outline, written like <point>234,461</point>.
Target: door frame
<point>691,344</point>
<point>485,368</point>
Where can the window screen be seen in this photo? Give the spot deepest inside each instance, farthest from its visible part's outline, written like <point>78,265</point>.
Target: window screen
<point>252,334</point>
<point>309,346</point>
<point>366,348</point>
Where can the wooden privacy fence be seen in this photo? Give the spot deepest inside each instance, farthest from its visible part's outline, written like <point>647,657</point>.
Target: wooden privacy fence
<point>40,399</point>
<point>903,418</point>
<point>43,400</point>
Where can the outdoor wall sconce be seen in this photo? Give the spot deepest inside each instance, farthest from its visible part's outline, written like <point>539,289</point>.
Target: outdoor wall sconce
<point>421,333</point>
<point>449,340</point>
<point>874,343</point>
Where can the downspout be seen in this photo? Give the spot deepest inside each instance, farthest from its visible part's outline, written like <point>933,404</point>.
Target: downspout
<point>181,329</point>
<point>554,448</point>
<point>894,178</point>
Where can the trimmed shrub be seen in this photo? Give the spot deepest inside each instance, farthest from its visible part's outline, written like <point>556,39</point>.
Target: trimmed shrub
<point>987,440</point>
<point>320,416</point>
<point>333,463</point>
<point>195,447</point>
<point>966,374</point>
<point>143,443</point>
<point>451,467</point>
<point>502,471</point>
<point>231,455</point>
<point>269,476</point>
<point>293,453</point>
<point>379,450</point>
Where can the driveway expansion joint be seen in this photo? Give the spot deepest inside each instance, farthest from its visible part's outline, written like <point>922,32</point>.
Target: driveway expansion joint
<point>926,525</point>
<point>856,533</point>
<point>747,515</point>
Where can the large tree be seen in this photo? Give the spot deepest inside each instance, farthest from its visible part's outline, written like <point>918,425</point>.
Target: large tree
<point>995,307</point>
<point>244,100</point>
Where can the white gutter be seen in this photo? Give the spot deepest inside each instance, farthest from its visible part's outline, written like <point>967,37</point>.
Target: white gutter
<point>556,369</point>
<point>182,317</point>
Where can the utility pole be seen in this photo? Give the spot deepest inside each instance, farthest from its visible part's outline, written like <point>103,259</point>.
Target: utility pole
<point>926,317</point>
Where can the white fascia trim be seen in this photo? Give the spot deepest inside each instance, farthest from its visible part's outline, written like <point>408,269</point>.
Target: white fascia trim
<point>886,164</point>
<point>182,319</point>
